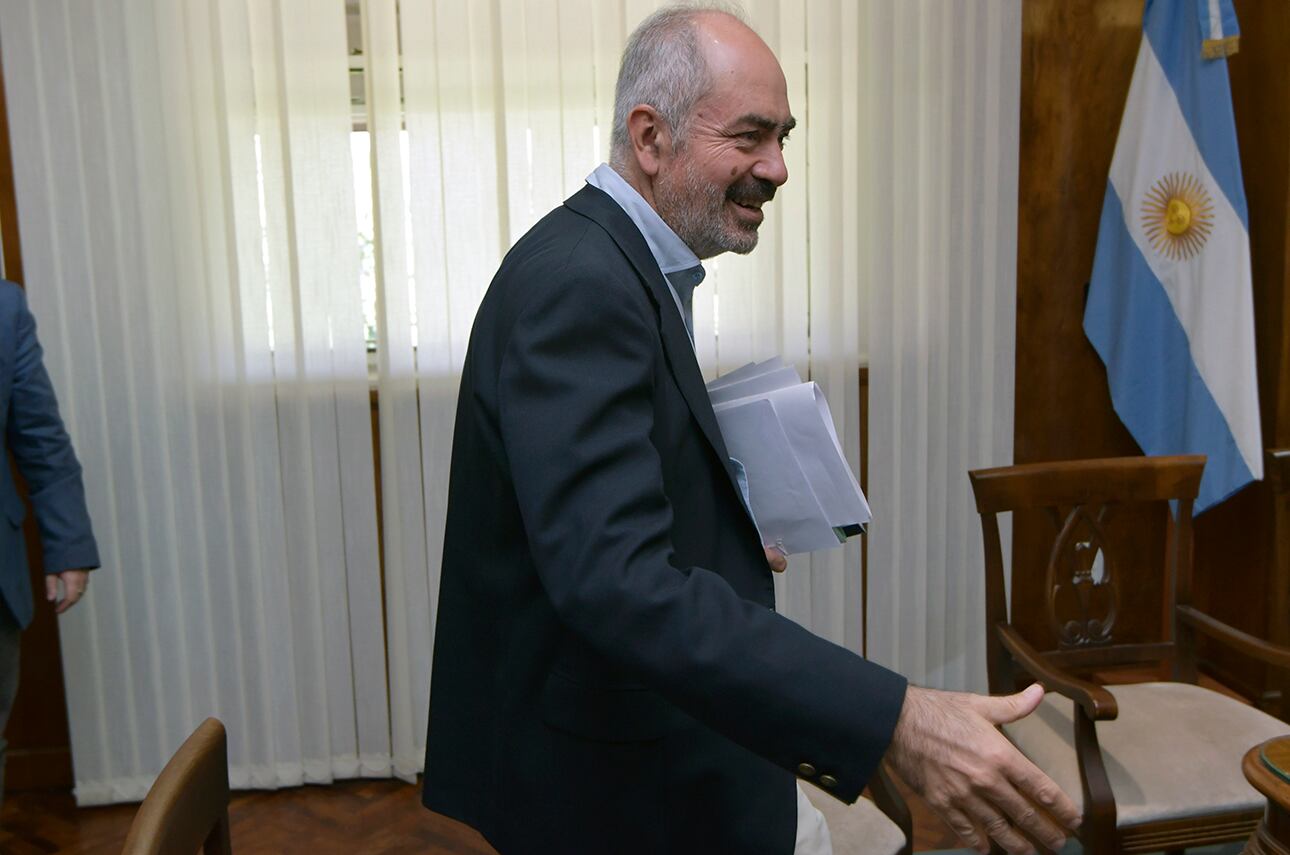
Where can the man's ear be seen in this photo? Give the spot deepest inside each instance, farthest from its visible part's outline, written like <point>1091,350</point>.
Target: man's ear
<point>651,138</point>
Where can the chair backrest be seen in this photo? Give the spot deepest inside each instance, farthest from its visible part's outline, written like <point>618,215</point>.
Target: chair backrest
<point>187,807</point>
<point>1086,569</point>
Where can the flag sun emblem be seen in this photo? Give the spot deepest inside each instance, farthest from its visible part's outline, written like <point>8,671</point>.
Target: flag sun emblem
<point>1177,215</point>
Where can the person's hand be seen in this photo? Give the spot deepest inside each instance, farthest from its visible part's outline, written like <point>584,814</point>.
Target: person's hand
<point>776,558</point>
<point>73,583</point>
<point>948,748</point>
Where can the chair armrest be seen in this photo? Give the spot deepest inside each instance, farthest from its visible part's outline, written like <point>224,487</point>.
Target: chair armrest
<point>1242,642</point>
<point>1098,704</point>
<point>888,799</point>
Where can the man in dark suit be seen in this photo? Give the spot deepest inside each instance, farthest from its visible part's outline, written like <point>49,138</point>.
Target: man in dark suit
<point>610,675</point>
<point>31,429</point>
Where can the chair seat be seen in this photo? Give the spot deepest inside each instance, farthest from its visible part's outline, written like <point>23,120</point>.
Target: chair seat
<point>858,829</point>
<point>1174,751</point>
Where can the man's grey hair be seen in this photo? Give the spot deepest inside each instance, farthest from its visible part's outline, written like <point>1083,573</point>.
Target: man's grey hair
<point>663,66</point>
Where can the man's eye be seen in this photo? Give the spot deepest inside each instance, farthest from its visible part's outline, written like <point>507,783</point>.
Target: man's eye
<point>783,140</point>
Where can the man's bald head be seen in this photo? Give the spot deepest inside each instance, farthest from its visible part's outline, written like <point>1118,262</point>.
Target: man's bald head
<point>700,119</point>
<point>669,64</point>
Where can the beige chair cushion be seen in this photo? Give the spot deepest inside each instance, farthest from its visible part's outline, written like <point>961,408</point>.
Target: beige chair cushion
<point>858,829</point>
<point>1174,751</point>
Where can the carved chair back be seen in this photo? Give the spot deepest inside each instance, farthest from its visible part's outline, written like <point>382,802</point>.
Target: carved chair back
<point>1092,506</point>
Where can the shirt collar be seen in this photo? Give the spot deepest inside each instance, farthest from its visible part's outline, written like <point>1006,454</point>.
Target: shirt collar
<point>668,250</point>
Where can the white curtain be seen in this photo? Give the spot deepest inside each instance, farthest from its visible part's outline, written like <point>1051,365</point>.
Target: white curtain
<point>940,148</point>
<point>189,219</point>
<point>210,365</point>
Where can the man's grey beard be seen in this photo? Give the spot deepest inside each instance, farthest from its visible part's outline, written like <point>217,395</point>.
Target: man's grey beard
<point>695,210</point>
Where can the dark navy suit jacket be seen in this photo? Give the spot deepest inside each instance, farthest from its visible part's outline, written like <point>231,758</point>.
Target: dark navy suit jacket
<point>31,429</point>
<point>609,673</point>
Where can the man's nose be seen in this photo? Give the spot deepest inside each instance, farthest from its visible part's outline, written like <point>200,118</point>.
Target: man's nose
<point>771,167</point>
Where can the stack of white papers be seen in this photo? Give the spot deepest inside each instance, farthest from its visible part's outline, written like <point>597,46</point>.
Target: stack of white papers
<point>802,494</point>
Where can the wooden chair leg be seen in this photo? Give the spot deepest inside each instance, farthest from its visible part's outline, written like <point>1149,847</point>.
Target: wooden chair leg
<point>888,799</point>
<point>220,841</point>
<point>1097,832</point>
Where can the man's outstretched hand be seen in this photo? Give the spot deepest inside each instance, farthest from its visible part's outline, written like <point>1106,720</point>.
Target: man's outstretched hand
<point>947,746</point>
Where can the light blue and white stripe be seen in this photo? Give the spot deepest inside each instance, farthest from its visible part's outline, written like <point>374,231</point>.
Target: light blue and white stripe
<point>1177,333</point>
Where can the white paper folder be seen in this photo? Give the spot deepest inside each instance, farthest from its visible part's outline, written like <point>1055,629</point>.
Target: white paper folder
<point>801,491</point>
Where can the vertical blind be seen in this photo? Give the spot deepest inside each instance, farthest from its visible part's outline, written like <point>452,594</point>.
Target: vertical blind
<point>227,448</point>
<point>940,143</point>
<point>188,211</point>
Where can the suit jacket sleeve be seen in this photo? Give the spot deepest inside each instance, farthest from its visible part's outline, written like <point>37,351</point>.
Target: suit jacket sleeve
<point>575,408</point>
<point>44,454</point>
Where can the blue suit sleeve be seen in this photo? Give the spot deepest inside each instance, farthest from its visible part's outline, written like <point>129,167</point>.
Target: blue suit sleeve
<point>44,454</point>
<point>576,413</point>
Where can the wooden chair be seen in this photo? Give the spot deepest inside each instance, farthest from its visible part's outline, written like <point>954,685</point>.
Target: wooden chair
<point>1157,765</point>
<point>187,807</point>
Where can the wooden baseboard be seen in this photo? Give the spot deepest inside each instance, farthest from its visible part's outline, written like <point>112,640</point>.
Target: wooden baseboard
<point>38,769</point>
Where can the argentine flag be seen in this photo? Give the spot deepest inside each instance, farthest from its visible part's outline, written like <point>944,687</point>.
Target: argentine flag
<point>1170,305</point>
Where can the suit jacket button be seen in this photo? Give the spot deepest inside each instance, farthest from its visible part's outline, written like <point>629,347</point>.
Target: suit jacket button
<point>828,781</point>
<point>806,770</point>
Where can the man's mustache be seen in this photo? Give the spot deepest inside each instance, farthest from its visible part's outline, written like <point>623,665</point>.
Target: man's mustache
<point>751,191</point>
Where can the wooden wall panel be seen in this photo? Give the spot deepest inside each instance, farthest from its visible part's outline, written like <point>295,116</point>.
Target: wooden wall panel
<point>1237,575</point>
<point>1261,101</point>
<point>1077,62</point>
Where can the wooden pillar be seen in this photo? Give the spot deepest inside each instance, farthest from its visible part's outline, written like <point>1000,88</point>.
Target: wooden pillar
<point>1076,64</point>
<point>10,251</point>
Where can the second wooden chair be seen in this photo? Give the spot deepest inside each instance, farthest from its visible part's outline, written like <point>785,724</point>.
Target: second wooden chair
<point>1154,765</point>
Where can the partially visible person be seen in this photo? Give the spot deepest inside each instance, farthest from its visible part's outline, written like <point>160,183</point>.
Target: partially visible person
<point>31,429</point>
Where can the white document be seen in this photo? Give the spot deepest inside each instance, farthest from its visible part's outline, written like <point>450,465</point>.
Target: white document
<point>752,369</point>
<point>761,384</point>
<point>801,491</point>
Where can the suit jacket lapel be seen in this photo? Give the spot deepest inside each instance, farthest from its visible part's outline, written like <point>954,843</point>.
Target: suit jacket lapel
<point>598,206</point>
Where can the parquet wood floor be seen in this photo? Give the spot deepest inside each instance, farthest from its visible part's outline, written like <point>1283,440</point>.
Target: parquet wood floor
<point>378,817</point>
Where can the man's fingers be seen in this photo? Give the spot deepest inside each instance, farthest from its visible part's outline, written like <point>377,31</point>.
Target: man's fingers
<point>1026,816</point>
<point>1040,789</point>
<point>1008,708</point>
<point>776,559</point>
<point>965,829</point>
<point>997,826</point>
<point>73,582</point>
<point>71,598</point>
